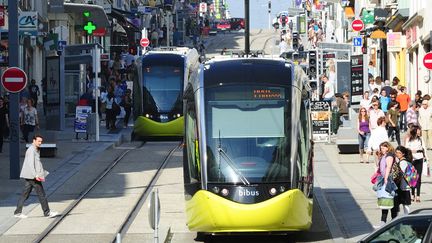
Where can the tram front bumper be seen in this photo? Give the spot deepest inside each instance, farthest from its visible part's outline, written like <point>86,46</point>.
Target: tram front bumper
<point>146,127</point>
<point>289,211</point>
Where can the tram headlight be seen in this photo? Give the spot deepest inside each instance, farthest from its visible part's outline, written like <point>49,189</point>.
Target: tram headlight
<point>282,188</point>
<point>225,192</point>
<point>272,191</point>
<point>147,115</point>
<point>216,189</point>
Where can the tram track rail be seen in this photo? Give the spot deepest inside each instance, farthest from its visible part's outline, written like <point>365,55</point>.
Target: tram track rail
<point>131,215</point>
<point>136,209</point>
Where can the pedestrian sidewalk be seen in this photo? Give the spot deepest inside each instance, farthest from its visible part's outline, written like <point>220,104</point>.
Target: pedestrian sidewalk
<point>71,155</point>
<point>344,192</point>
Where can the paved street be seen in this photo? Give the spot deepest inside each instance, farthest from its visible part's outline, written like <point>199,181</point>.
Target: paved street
<point>60,52</point>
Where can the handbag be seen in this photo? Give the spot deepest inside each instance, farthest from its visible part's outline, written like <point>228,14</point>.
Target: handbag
<point>425,169</point>
<point>375,175</point>
<point>116,108</point>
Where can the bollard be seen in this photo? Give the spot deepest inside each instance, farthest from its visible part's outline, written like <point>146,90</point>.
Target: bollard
<point>118,238</point>
<point>154,214</point>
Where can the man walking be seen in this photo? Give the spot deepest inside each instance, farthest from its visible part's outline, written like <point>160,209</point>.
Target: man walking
<point>404,99</point>
<point>328,94</point>
<point>34,174</point>
<point>425,122</point>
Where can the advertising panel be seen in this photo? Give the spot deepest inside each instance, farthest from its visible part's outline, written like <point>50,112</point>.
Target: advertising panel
<point>357,67</point>
<point>321,115</point>
<point>81,114</point>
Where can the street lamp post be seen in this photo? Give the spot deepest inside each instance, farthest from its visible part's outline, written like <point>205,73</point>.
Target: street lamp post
<point>247,47</point>
<point>14,147</point>
<point>269,14</point>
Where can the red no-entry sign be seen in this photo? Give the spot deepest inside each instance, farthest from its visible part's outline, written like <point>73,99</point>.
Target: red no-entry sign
<point>427,60</point>
<point>144,42</point>
<point>14,79</point>
<point>283,18</point>
<point>357,25</point>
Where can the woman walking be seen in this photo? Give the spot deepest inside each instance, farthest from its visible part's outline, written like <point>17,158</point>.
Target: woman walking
<point>378,136</point>
<point>29,119</point>
<point>110,115</point>
<point>385,198</point>
<point>127,105</point>
<point>403,159</point>
<point>4,121</point>
<point>363,133</point>
<point>414,142</point>
<point>392,116</point>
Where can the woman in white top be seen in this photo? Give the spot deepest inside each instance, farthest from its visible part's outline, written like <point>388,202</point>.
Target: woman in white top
<point>29,119</point>
<point>365,102</point>
<point>415,143</point>
<point>378,136</point>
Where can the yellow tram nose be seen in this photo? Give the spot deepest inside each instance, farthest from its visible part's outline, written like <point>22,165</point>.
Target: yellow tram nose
<point>289,211</point>
<point>148,128</point>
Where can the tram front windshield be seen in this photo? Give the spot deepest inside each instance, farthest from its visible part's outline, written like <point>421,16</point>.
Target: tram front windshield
<point>163,87</point>
<point>247,134</point>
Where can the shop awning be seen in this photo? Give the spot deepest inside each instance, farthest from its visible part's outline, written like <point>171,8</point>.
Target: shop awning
<point>413,20</point>
<point>397,19</point>
<point>378,34</point>
<point>349,12</point>
<point>122,19</point>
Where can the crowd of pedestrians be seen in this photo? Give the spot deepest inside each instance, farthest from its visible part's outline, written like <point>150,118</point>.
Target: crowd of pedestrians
<point>388,114</point>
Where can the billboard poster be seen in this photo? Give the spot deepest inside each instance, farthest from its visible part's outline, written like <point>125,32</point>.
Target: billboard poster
<point>52,92</point>
<point>357,68</point>
<point>4,49</point>
<point>2,16</point>
<point>321,115</point>
<point>53,80</point>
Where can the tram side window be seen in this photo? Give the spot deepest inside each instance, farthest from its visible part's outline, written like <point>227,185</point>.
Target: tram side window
<point>192,142</point>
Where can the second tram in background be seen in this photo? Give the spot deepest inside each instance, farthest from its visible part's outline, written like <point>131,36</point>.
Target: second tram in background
<point>248,147</point>
<point>158,91</point>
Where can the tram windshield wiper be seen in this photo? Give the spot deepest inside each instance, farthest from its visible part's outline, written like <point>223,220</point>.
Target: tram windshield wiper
<point>231,163</point>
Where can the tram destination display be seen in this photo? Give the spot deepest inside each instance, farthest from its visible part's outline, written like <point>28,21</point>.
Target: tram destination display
<point>321,115</point>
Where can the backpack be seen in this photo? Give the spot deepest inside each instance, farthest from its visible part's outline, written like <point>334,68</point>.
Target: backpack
<point>411,174</point>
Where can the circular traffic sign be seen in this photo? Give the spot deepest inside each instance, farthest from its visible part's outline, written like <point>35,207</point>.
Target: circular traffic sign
<point>284,17</point>
<point>357,25</point>
<point>427,60</point>
<point>14,79</point>
<point>144,42</point>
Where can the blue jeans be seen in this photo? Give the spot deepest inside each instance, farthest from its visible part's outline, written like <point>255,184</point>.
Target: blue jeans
<point>363,140</point>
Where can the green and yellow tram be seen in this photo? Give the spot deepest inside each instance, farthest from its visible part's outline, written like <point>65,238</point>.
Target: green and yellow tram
<point>248,147</point>
<point>158,104</point>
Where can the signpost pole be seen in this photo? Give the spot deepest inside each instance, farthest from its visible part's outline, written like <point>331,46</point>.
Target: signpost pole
<point>14,145</point>
<point>247,19</point>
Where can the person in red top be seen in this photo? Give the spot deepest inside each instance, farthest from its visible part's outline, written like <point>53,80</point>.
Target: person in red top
<point>404,99</point>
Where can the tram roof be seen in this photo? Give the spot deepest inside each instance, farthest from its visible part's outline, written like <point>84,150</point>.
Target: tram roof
<point>241,70</point>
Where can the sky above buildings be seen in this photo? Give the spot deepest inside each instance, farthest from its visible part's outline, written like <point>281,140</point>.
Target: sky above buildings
<point>258,10</point>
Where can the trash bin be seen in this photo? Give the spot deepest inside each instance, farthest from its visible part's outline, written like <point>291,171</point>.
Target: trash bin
<point>91,124</point>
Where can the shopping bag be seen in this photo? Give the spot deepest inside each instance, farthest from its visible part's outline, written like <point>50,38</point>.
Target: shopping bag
<point>375,175</point>
<point>425,169</point>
